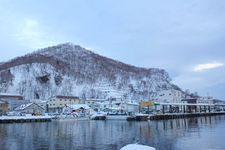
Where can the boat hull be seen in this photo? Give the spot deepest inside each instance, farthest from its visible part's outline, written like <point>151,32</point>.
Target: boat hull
<point>117,117</point>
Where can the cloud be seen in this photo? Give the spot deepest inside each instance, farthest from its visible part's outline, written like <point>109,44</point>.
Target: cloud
<point>207,66</point>
<point>32,35</point>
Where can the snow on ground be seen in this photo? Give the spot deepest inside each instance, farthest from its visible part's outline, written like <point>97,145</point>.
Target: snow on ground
<point>137,147</point>
<point>24,117</point>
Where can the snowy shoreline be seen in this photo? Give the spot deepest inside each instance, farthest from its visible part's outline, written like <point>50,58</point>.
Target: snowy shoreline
<point>23,117</point>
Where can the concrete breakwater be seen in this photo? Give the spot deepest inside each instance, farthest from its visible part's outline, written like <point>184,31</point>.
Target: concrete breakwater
<point>24,119</point>
<point>183,115</point>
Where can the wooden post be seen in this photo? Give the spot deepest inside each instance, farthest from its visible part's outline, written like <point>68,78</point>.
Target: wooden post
<point>155,108</point>
<point>170,109</point>
<point>163,109</point>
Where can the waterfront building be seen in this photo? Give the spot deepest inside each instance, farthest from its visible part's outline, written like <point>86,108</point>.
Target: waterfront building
<point>56,103</point>
<point>13,100</point>
<point>169,96</point>
<point>190,108</point>
<point>95,104</point>
<point>146,106</point>
<point>30,108</point>
<point>82,109</point>
<point>205,100</point>
<point>119,106</point>
<point>42,103</point>
<point>3,107</point>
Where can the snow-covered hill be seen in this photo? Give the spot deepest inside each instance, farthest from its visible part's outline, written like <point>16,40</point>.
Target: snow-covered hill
<point>68,69</point>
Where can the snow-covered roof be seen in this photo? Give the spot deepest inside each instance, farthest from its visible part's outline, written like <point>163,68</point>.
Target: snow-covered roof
<point>78,106</point>
<point>67,97</point>
<point>10,95</point>
<point>114,108</point>
<point>96,100</point>
<point>38,101</point>
<point>22,107</point>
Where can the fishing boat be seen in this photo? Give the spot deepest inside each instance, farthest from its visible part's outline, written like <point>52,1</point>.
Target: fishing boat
<point>98,116</point>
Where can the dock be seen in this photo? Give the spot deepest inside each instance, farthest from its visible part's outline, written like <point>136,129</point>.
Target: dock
<point>24,119</point>
<point>183,115</point>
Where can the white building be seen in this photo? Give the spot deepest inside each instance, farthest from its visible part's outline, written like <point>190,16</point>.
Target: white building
<point>169,96</point>
<point>30,108</point>
<point>42,103</point>
<point>119,106</point>
<point>205,100</point>
<point>77,108</point>
<point>95,104</point>
<point>56,103</point>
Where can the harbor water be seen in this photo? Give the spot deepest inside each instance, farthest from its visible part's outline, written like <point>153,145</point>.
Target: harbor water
<point>200,133</point>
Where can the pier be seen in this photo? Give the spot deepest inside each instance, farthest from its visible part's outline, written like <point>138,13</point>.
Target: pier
<point>186,110</point>
<point>181,115</point>
<point>190,107</point>
<point>24,119</point>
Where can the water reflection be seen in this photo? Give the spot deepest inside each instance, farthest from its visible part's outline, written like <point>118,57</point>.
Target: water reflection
<point>179,134</point>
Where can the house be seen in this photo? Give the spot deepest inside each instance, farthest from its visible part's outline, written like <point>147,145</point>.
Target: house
<point>205,100</point>
<point>42,103</point>
<point>95,104</point>
<point>3,107</point>
<point>13,100</point>
<point>56,103</point>
<point>77,108</point>
<point>118,106</point>
<point>169,96</point>
<point>30,108</point>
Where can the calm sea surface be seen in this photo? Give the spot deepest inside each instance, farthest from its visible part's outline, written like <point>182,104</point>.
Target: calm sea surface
<point>205,133</point>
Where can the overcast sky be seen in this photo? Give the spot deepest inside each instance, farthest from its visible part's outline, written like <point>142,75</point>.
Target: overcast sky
<point>186,38</point>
